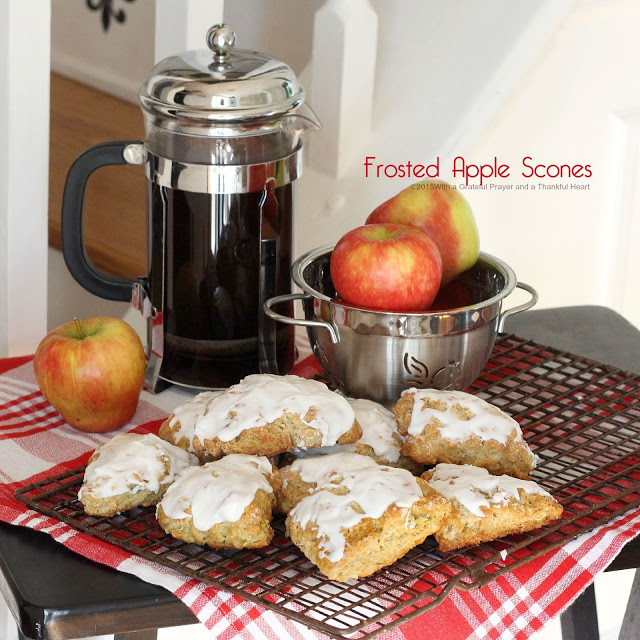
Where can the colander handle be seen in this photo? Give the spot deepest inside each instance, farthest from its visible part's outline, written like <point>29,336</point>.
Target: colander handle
<point>297,321</point>
<point>521,307</point>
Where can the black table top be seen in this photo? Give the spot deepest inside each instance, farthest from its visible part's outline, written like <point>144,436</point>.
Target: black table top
<point>56,594</point>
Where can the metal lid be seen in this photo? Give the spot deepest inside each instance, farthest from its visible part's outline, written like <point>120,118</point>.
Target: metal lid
<point>221,84</point>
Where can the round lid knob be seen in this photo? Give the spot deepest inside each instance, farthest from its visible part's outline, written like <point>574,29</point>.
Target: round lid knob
<point>231,86</point>
<point>220,38</point>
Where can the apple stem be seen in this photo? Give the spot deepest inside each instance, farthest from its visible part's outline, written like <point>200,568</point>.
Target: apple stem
<point>79,328</point>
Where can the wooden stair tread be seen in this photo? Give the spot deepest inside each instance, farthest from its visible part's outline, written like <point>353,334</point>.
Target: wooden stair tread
<point>115,220</point>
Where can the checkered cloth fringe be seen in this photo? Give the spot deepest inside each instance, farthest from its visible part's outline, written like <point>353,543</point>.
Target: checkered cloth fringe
<point>35,442</point>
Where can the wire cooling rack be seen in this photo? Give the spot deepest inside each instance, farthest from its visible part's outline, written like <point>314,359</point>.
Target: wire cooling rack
<point>581,417</point>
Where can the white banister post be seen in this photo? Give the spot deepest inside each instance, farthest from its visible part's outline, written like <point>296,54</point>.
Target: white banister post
<point>183,24</point>
<point>25,45</point>
<point>343,63</point>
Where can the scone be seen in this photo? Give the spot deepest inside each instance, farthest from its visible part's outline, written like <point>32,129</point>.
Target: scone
<point>364,520</point>
<point>226,504</point>
<point>459,428</point>
<point>485,507</point>
<point>130,470</point>
<point>380,438</point>
<point>266,415</point>
<point>304,474</point>
<point>179,429</point>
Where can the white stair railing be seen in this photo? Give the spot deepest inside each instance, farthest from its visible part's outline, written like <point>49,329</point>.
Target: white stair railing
<point>343,70</point>
<point>25,27</point>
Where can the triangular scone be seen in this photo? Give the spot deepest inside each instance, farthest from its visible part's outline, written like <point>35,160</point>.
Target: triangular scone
<point>459,428</point>
<point>363,520</point>
<point>130,470</point>
<point>180,427</point>
<point>304,474</point>
<point>485,507</point>
<point>380,439</point>
<point>265,415</point>
<point>223,504</point>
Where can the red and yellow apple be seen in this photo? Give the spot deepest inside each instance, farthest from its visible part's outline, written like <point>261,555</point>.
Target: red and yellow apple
<point>391,267</point>
<point>92,371</point>
<point>441,211</point>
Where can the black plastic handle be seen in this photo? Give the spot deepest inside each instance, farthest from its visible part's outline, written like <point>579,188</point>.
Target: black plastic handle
<point>73,248</point>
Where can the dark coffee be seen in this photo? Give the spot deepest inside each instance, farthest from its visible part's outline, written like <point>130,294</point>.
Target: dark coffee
<point>215,259</point>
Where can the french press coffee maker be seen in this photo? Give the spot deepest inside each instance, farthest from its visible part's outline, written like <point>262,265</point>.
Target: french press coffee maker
<point>223,151</point>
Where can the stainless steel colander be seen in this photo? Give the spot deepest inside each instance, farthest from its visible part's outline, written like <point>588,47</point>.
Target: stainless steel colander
<point>378,354</point>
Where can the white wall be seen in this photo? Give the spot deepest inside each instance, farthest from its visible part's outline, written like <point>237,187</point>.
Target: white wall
<point>281,28</point>
<point>576,105</point>
<point>117,60</point>
<point>69,300</point>
<point>436,61</point>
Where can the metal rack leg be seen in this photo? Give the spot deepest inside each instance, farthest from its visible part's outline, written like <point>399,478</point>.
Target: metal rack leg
<point>631,622</point>
<point>580,620</point>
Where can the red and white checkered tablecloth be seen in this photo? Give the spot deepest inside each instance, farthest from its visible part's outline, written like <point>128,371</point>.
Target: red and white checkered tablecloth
<point>35,442</point>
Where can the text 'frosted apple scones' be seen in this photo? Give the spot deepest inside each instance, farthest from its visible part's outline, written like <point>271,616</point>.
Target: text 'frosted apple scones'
<point>303,475</point>
<point>380,438</point>
<point>266,415</point>
<point>360,521</point>
<point>130,470</point>
<point>485,506</point>
<point>223,504</point>
<point>460,428</point>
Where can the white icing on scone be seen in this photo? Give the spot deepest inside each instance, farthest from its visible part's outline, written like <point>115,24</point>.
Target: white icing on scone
<point>474,487</point>
<point>131,462</point>
<point>218,491</point>
<point>263,398</point>
<point>186,415</point>
<point>319,469</point>
<point>378,426</point>
<point>372,489</point>
<point>487,421</point>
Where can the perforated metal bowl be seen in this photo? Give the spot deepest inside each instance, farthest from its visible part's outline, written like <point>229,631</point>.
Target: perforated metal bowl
<point>377,354</point>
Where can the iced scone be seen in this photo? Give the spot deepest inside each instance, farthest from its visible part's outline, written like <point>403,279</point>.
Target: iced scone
<point>485,507</point>
<point>266,415</point>
<point>459,428</point>
<point>304,474</point>
<point>363,520</point>
<point>224,504</point>
<point>130,470</point>
<point>179,429</point>
<point>380,438</point>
